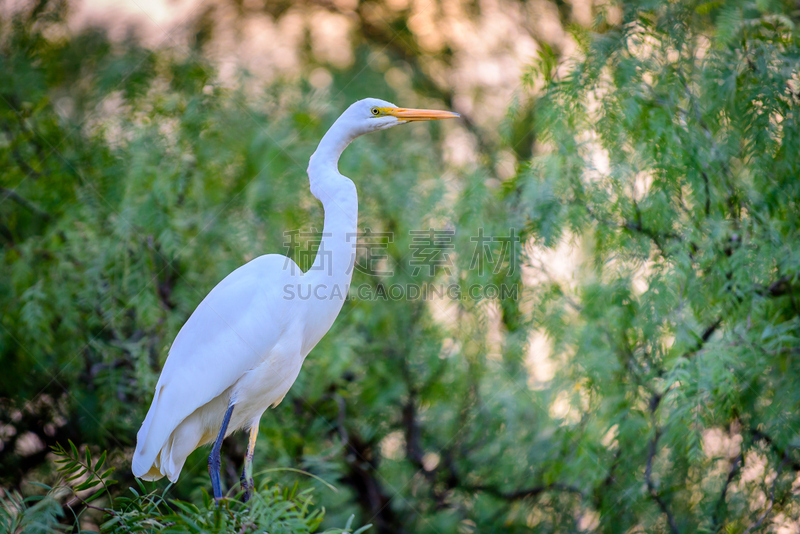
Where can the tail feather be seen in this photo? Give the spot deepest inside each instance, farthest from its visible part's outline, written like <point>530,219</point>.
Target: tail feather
<point>162,452</point>
<point>184,440</point>
<point>146,457</point>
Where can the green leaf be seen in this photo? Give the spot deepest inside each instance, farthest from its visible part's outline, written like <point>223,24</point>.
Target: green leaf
<point>100,461</point>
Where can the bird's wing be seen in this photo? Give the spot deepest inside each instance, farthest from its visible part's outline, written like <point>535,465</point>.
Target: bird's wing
<point>229,333</point>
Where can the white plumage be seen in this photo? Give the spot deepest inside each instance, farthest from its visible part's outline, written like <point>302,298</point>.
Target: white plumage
<point>244,345</point>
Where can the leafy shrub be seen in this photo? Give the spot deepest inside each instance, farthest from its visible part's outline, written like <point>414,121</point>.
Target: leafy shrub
<point>271,508</point>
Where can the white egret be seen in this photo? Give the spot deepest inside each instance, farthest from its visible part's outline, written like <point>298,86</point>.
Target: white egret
<point>242,348</point>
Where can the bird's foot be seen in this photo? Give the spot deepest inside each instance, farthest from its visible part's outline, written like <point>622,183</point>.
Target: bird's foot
<point>247,486</point>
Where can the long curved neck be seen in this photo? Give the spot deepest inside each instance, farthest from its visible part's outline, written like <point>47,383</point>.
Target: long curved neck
<point>335,258</point>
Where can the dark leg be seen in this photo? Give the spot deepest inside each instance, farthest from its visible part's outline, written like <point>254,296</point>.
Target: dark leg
<point>214,461</point>
<point>245,485</point>
<point>247,472</point>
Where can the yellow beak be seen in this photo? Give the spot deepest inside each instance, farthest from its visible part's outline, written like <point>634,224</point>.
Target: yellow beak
<point>406,114</point>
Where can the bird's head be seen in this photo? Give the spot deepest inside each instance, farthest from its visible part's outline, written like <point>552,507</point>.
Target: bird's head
<point>372,114</point>
<point>364,116</point>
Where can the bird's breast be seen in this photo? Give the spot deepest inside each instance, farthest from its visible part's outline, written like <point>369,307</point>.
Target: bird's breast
<point>267,383</point>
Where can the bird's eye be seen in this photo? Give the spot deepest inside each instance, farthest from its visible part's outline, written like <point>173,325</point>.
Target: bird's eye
<point>375,111</point>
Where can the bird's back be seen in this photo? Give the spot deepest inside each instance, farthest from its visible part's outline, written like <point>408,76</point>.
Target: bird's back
<point>230,333</point>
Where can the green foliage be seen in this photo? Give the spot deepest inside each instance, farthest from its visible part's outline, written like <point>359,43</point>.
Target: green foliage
<point>83,471</point>
<point>270,509</point>
<point>34,514</point>
<point>656,169</point>
<point>674,162</point>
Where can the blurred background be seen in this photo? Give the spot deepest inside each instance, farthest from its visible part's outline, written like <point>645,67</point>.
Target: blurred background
<point>638,377</point>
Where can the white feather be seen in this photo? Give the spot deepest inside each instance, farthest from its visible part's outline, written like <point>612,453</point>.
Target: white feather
<point>231,333</point>
<point>246,341</point>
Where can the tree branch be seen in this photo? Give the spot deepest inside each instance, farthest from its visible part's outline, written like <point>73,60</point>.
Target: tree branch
<point>732,472</point>
<point>516,495</point>
<point>648,471</point>
<point>415,454</point>
<point>706,335</point>
<point>778,288</point>
<point>636,226</point>
<point>24,202</point>
<point>771,504</point>
<point>610,478</point>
